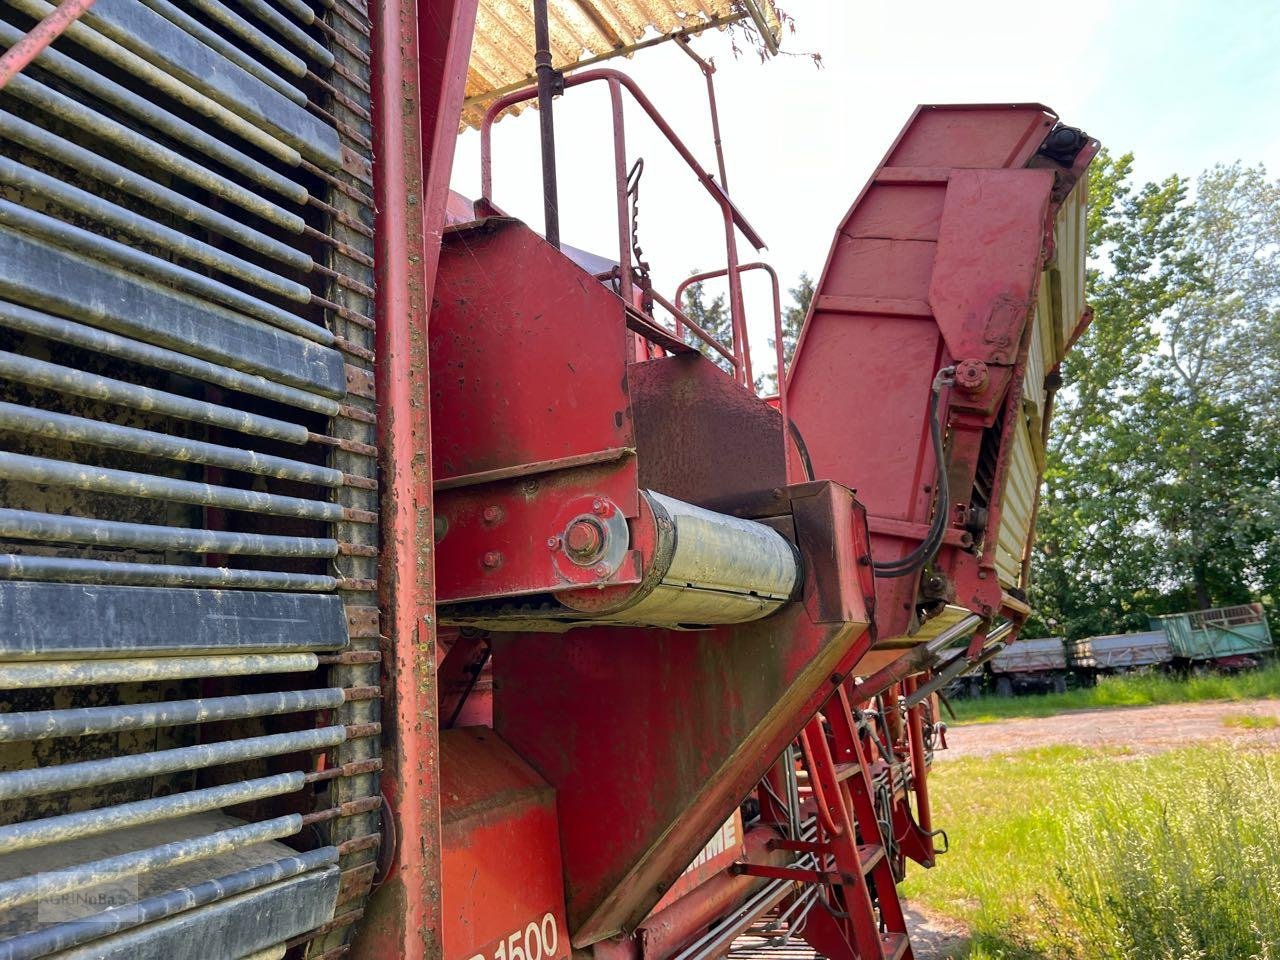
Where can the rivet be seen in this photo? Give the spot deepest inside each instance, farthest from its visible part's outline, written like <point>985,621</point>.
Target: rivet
<point>492,559</point>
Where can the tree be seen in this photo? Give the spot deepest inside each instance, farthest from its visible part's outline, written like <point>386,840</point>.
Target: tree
<point>1161,485</point>
<point>713,317</point>
<point>792,323</point>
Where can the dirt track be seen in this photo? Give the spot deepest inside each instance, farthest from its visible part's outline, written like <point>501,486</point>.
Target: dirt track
<point>1144,730</point>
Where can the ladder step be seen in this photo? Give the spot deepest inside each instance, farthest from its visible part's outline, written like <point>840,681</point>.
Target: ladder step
<point>869,855</point>
<point>846,770</point>
<point>894,946</point>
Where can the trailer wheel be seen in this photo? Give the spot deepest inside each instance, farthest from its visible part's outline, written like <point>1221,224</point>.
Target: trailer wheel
<point>1059,684</point>
<point>1004,687</point>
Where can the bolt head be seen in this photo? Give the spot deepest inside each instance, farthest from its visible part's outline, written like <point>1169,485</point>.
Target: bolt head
<point>491,559</point>
<point>598,506</point>
<point>553,543</point>
<point>491,514</point>
<point>584,538</point>
<point>601,570</point>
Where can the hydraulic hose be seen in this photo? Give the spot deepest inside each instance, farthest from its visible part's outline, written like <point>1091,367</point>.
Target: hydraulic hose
<point>928,548</point>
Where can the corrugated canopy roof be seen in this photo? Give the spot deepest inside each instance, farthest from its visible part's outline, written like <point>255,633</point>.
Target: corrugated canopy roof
<point>581,30</point>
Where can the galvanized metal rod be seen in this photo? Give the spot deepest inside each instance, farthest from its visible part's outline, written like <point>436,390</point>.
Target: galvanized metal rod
<point>127,483</point>
<point>73,429</point>
<point>303,13</point>
<point>56,673</point>
<point>56,528</point>
<point>232,52</point>
<point>37,183</point>
<point>119,177</point>
<point>20,55</point>
<point>995,642</point>
<point>79,383</point>
<point>53,883</point>
<point>57,937</point>
<point>912,661</point>
<point>88,823</point>
<point>85,721</point>
<point>231,21</point>
<point>122,256</point>
<point>17,317</point>
<point>94,773</point>
<point>120,137</point>
<point>15,566</point>
<point>283,26</point>
<point>546,121</point>
<point>198,101</point>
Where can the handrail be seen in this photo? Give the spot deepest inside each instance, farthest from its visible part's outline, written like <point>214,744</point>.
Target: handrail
<point>733,217</point>
<point>779,350</point>
<point>684,320</point>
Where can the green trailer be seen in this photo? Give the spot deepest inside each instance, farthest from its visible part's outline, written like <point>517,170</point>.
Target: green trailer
<point>1229,636</point>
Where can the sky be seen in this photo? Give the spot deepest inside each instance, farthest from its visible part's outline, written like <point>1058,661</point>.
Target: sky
<point>1183,84</point>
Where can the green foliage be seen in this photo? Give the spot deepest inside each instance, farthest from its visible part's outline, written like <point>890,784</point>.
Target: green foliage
<point>713,317</point>
<point>1063,853</point>
<point>1177,868</point>
<point>792,323</point>
<point>1126,690</point>
<point>1162,487</point>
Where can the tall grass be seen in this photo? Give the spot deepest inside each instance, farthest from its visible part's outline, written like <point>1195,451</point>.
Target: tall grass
<point>1065,853</point>
<point>1127,690</point>
<point>1182,867</point>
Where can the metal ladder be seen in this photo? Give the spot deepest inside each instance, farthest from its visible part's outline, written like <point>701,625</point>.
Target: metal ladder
<point>858,915</point>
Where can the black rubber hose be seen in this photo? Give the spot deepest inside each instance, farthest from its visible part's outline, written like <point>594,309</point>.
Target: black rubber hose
<point>928,548</point>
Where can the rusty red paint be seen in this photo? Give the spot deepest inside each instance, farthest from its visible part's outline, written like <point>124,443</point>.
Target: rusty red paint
<point>936,264</point>
<point>501,861</point>
<point>419,75</point>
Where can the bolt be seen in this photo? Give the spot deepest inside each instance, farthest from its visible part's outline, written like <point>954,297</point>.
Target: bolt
<point>598,506</point>
<point>601,570</point>
<point>982,574</point>
<point>553,543</point>
<point>492,559</point>
<point>491,514</point>
<point>584,538</point>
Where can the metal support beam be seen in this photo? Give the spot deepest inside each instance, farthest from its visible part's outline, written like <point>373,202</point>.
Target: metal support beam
<point>546,92</point>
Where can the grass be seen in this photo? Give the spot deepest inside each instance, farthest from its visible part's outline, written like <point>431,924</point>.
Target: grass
<point>1134,690</point>
<point>1064,852</point>
<point>1251,721</point>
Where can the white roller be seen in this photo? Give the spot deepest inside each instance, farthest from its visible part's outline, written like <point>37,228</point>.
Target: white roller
<point>710,568</point>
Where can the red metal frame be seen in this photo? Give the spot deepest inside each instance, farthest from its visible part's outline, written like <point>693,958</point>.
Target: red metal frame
<point>936,264</point>
<point>733,218</point>
<point>780,352</point>
<point>419,75</point>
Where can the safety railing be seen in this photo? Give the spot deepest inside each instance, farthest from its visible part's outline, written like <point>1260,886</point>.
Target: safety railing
<point>738,353</point>
<point>780,350</point>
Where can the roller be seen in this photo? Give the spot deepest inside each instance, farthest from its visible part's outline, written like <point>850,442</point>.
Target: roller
<point>706,568</point>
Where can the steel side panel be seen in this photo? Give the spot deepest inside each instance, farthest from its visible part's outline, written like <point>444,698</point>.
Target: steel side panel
<point>235,927</point>
<point>652,738</point>
<point>861,401</point>
<point>500,863</point>
<point>990,244</point>
<point>57,621</point>
<point>527,355</point>
<point>979,135</point>
<point>699,436</point>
